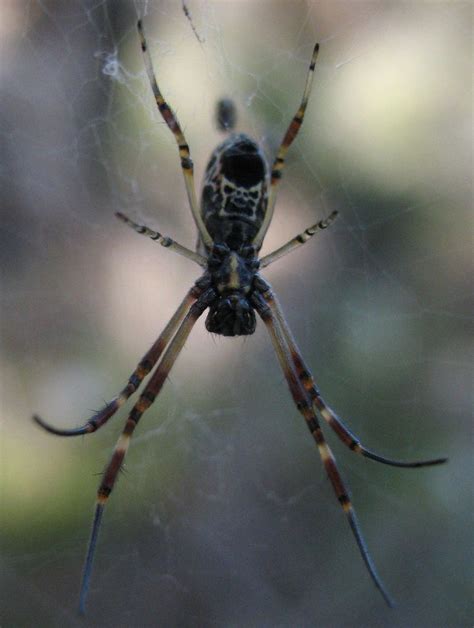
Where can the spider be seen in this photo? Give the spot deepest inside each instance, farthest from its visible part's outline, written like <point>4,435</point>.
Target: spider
<point>237,204</point>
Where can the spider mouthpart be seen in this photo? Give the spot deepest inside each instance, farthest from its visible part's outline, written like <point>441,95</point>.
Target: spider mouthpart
<point>231,315</point>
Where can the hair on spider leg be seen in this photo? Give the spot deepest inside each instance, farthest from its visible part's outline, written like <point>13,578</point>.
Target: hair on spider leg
<point>123,470</point>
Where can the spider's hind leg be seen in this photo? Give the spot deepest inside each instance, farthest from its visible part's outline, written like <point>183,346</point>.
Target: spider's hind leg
<point>279,162</point>
<point>184,153</point>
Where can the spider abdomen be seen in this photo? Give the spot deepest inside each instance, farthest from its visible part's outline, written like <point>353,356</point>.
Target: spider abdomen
<point>234,196</point>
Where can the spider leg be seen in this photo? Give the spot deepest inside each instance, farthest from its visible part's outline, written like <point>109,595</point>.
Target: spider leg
<point>331,418</point>
<point>173,124</point>
<point>164,240</point>
<point>145,365</point>
<point>304,404</point>
<point>146,399</point>
<point>298,240</point>
<point>279,162</point>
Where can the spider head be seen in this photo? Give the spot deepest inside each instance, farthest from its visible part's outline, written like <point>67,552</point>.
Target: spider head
<point>232,275</point>
<point>231,315</point>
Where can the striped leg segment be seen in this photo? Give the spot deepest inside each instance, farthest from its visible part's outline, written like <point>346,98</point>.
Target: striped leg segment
<point>148,396</point>
<point>331,418</point>
<point>144,367</point>
<point>298,240</point>
<point>304,404</point>
<point>279,162</point>
<point>163,240</point>
<point>173,124</point>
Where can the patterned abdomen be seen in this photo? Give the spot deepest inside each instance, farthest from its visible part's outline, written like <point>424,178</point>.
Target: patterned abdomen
<point>234,196</point>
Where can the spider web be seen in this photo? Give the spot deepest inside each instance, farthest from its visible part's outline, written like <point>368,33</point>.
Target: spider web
<point>223,515</point>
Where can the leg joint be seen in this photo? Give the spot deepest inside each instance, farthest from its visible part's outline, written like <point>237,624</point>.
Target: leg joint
<point>186,163</point>
<point>148,396</point>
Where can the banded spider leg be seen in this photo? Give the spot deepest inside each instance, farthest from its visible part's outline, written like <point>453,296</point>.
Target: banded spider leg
<point>308,400</point>
<point>144,367</point>
<point>148,396</point>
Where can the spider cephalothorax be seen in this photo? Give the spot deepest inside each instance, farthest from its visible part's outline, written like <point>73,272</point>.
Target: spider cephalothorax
<point>232,276</point>
<point>237,206</point>
<point>231,315</point>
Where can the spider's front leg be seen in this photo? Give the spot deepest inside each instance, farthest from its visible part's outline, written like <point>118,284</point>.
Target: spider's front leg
<point>147,397</point>
<point>304,404</point>
<point>144,367</point>
<point>331,418</point>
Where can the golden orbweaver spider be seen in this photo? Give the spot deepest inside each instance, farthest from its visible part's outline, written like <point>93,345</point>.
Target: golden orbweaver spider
<point>236,209</point>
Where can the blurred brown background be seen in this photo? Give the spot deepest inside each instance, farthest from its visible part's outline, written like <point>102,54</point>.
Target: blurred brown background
<point>224,516</point>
